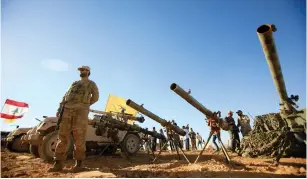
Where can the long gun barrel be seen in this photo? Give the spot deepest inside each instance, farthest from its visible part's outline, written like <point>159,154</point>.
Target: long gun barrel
<point>177,89</point>
<point>124,116</point>
<point>265,34</point>
<point>105,120</point>
<point>163,122</point>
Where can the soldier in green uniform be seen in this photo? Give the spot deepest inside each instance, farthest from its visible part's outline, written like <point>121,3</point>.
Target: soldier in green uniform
<point>244,123</point>
<point>78,99</point>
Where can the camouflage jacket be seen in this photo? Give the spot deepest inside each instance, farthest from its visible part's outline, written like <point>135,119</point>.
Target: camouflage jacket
<point>81,94</point>
<point>244,123</point>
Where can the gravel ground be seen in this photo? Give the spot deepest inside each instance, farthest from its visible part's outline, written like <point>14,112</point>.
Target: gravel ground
<point>24,165</point>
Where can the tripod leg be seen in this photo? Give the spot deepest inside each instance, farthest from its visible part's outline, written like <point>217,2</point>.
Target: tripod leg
<point>184,155</point>
<point>201,152</point>
<point>152,152</point>
<point>158,154</point>
<point>103,150</point>
<point>176,147</point>
<point>224,150</point>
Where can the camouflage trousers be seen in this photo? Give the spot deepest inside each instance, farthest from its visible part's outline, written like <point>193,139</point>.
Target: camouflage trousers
<point>75,122</point>
<point>193,141</point>
<point>234,140</point>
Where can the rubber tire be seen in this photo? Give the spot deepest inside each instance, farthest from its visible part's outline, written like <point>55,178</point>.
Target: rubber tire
<point>16,146</point>
<point>47,154</point>
<point>131,143</point>
<point>34,150</point>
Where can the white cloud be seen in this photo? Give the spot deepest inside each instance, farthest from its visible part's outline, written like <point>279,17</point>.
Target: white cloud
<point>55,64</point>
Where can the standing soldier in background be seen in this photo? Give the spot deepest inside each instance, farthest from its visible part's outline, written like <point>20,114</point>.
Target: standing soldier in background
<point>199,139</point>
<point>177,139</point>
<point>193,139</point>
<point>74,120</point>
<point>161,142</point>
<point>233,132</point>
<point>153,141</point>
<point>244,123</point>
<point>171,144</point>
<point>146,141</point>
<point>214,128</point>
<point>187,138</point>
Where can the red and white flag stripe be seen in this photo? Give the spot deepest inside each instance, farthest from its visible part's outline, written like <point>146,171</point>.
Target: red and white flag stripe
<point>13,109</point>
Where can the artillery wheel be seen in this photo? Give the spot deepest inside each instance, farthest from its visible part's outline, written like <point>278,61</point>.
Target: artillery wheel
<point>131,143</point>
<point>34,150</point>
<point>49,144</point>
<point>17,146</point>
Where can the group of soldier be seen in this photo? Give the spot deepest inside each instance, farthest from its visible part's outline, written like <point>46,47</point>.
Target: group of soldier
<point>73,113</point>
<point>188,142</point>
<point>242,126</point>
<point>191,140</point>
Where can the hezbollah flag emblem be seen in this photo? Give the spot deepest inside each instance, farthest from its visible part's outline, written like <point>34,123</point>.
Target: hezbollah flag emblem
<point>117,104</point>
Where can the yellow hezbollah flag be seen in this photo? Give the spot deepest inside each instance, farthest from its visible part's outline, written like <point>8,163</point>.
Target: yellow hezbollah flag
<point>116,104</point>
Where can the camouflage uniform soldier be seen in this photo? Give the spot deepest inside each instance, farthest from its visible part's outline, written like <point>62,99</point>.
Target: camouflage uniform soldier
<point>80,96</point>
<point>233,132</point>
<point>244,123</point>
<point>193,139</point>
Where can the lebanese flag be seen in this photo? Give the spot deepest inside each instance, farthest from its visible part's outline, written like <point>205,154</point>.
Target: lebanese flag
<point>13,110</point>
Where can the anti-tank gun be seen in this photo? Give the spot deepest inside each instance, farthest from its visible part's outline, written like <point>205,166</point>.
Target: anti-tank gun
<point>101,122</point>
<point>120,116</point>
<point>288,105</point>
<point>208,113</point>
<point>119,132</point>
<point>173,131</point>
<point>294,119</point>
<point>163,122</point>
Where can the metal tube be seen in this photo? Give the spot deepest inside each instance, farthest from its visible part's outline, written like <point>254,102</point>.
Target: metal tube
<point>177,89</point>
<point>265,34</point>
<point>151,115</point>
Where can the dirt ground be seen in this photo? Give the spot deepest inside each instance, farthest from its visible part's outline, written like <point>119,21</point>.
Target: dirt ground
<point>25,165</point>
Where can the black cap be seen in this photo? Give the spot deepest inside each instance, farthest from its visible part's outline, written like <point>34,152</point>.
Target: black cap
<point>239,111</point>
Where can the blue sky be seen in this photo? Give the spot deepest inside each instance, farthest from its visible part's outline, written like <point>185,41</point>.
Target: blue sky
<point>136,49</point>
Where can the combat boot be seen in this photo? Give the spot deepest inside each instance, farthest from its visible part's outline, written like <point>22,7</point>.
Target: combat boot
<point>78,166</point>
<point>57,166</point>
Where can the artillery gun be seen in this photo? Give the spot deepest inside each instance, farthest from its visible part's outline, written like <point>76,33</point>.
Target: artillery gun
<point>208,113</point>
<point>120,116</point>
<point>103,121</point>
<point>173,131</point>
<point>163,122</point>
<point>106,124</point>
<point>280,133</point>
<point>288,111</point>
